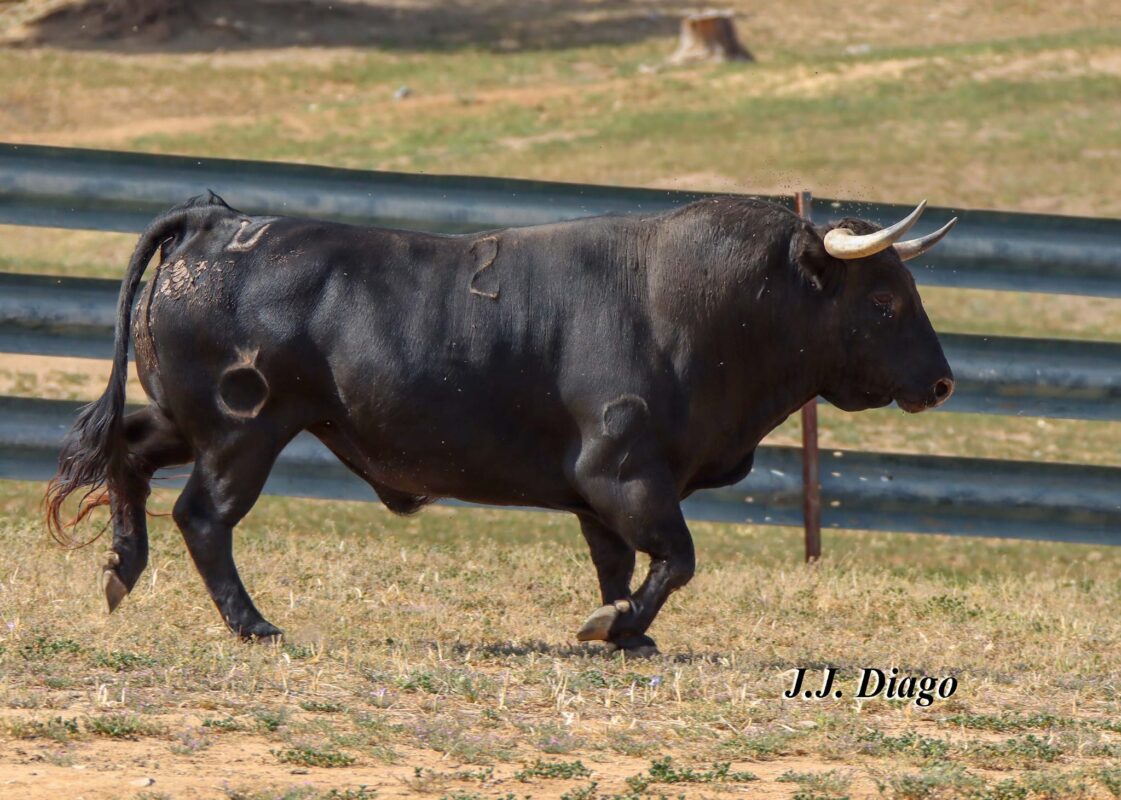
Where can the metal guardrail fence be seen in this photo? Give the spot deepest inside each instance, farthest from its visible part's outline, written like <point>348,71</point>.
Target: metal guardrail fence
<point>65,188</point>
<point>1000,375</point>
<point>874,491</point>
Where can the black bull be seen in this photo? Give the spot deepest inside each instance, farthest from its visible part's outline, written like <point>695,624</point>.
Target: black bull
<point>607,366</point>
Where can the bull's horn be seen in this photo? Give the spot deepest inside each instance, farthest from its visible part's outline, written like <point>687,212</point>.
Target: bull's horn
<point>844,244</point>
<point>916,247</point>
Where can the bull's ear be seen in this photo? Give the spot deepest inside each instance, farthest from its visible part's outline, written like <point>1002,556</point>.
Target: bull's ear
<point>808,256</point>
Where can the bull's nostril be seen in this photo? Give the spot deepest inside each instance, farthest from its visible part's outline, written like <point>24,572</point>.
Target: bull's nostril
<point>943,389</point>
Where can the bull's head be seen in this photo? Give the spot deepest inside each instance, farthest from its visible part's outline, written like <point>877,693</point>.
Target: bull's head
<point>889,350</point>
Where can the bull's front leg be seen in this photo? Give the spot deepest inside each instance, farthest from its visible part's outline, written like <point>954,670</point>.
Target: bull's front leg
<point>613,559</point>
<point>630,489</point>
<point>623,623</point>
<point>614,563</point>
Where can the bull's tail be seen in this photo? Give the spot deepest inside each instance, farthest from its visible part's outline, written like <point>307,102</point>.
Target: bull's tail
<point>94,452</point>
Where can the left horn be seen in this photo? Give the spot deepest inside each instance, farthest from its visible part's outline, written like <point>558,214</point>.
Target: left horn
<point>846,245</point>
<point>916,247</point>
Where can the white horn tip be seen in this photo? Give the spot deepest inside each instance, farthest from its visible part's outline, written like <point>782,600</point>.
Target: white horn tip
<point>916,247</point>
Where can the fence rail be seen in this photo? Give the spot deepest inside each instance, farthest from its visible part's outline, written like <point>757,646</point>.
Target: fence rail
<point>874,491</point>
<point>997,375</point>
<point>67,188</point>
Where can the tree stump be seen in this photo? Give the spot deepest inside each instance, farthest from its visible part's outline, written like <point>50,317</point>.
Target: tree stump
<point>709,36</point>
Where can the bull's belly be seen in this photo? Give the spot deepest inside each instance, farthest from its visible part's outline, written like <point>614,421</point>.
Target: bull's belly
<point>496,467</point>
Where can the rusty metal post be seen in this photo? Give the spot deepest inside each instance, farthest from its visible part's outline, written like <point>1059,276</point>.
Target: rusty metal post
<point>811,462</point>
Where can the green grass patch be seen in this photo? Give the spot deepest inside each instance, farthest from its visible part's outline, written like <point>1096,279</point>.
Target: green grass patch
<point>562,770</point>
<point>122,726</point>
<point>122,661</point>
<point>664,771</point>
<point>311,756</point>
<point>1003,723</point>
<point>57,729</point>
<point>321,707</point>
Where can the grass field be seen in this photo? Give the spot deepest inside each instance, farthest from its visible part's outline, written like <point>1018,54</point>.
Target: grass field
<point>435,655</point>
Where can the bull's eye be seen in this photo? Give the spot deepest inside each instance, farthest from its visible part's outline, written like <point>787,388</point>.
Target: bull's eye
<point>885,300</point>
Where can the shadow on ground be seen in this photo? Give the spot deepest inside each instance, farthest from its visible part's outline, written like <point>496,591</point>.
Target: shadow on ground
<point>594,650</point>
<point>209,25</point>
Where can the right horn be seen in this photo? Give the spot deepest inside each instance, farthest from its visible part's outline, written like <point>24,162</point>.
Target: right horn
<point>846,245</point>
<point>916,247</point>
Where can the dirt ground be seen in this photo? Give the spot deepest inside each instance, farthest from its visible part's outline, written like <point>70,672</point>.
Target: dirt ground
<point>120,768</point>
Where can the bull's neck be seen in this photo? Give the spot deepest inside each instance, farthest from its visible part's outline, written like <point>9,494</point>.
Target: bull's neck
<point>755,373</point>
<point>779,370</point>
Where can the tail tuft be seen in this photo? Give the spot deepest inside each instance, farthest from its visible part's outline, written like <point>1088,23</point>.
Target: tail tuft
<point>86,462</point>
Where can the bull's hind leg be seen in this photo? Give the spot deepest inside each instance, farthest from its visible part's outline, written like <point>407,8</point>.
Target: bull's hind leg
<point>227,479</point>
<point>153,443</point>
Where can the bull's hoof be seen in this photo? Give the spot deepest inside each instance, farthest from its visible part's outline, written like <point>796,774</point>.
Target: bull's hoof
<point>115,589</point>
<point>260,632</point>
<point>597,627</point>
<point>641,646</point>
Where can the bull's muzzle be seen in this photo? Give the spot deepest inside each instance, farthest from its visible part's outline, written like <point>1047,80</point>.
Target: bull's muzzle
<point>938,394</point>
<point>943,390</point>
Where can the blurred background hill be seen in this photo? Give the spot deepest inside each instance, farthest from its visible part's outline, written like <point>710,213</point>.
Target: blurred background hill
<point>878,100</point>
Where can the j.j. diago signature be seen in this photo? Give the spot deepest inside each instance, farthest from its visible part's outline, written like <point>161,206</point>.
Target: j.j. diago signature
<point>923,690</point>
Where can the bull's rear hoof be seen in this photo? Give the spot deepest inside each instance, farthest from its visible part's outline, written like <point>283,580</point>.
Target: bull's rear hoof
<point>634,646</point>
<point>115,589</point>
<point>260,632</point>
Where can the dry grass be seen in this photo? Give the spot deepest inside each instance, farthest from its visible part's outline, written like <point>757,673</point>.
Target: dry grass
<point>436,655</point>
